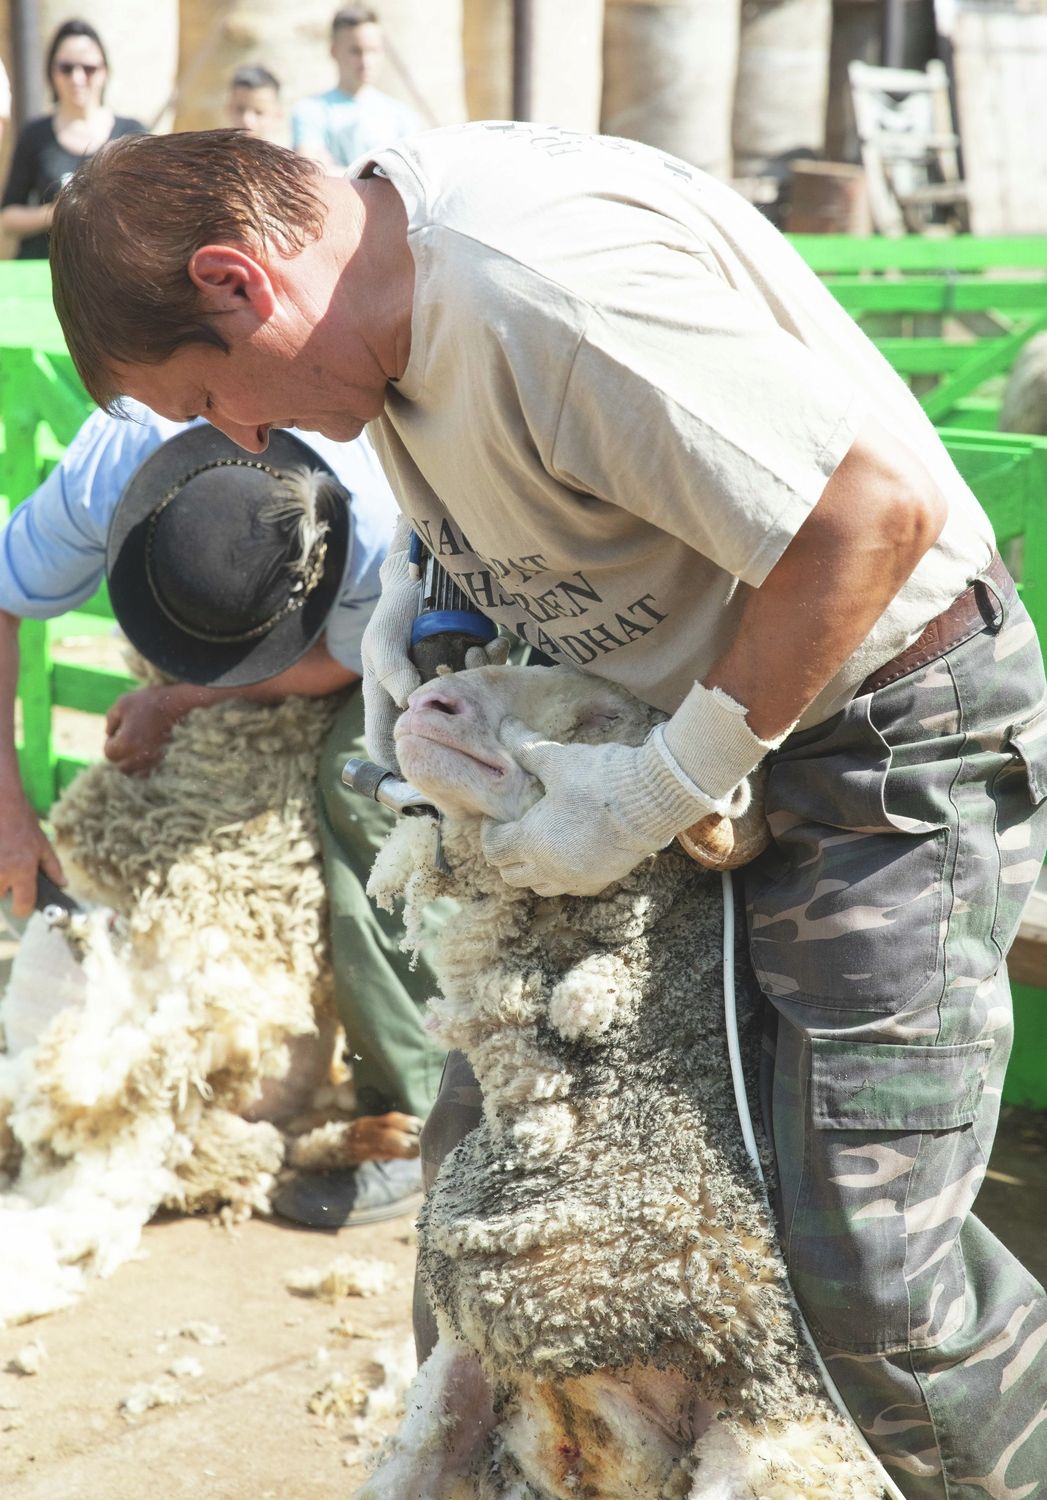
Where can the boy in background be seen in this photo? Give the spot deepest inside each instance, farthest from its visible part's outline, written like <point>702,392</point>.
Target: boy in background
<point>336,127</point>
<point>253,104</point>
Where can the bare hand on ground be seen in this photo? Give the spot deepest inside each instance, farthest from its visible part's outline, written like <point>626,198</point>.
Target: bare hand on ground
<point>24,849</point>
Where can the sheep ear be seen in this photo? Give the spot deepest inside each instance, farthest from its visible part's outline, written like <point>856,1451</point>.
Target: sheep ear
<point>609,718</point>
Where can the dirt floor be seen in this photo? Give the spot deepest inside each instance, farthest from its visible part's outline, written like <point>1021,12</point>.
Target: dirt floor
<point>241,1428</point>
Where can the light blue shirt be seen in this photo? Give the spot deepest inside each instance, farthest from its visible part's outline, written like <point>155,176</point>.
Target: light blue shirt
<point>346,126</point>
<point>52,550</point>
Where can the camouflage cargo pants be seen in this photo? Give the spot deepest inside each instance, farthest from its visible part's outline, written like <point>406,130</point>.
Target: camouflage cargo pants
<point>908,831</point>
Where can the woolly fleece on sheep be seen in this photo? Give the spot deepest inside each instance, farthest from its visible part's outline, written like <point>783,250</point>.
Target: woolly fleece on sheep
<point>602,1227</point>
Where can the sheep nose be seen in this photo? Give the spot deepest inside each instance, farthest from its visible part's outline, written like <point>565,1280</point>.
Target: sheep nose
<point>439,700</point>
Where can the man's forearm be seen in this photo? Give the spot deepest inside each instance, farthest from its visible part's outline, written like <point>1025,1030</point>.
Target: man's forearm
<point>314,675</point>
<point>10,777</point>
<point>860,544</point>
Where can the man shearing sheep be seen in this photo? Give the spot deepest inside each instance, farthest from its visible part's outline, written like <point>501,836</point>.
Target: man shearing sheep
<point>87,519</point>
<point>637,430</point>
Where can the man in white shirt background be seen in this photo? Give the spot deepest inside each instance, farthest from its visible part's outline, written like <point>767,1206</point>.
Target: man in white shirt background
<point>336,127</point>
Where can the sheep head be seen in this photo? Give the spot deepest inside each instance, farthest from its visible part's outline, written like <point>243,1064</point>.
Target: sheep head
<point>449,745</point>
<point>448,740</point>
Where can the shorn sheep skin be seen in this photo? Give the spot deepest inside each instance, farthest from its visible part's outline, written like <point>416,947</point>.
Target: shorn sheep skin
<point>613,1312</point>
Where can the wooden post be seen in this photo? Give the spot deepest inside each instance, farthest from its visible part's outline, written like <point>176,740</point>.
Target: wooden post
<point>523,58</point>
<point>565,47</point>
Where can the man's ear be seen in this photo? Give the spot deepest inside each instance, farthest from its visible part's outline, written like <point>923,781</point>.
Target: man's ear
<point>231,281</point>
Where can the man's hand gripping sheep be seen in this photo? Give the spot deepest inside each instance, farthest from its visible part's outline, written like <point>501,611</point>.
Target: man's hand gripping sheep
<point>613,1313</point>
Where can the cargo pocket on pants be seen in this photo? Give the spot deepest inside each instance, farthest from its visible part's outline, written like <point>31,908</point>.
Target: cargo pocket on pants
<point>892,1167</point>
<point>1019,790</point>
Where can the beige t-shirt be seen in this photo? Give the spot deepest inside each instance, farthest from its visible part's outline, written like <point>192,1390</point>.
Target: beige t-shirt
<point>624,395</point>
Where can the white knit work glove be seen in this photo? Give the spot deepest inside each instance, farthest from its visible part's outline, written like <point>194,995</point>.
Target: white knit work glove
<point>389,674</point>
<point>608,806</point>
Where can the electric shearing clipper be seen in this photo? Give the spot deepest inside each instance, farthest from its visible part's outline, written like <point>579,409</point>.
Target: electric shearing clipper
<point>448,625</point>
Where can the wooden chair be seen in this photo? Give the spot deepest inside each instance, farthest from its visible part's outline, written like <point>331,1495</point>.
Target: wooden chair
<point>908,147</point>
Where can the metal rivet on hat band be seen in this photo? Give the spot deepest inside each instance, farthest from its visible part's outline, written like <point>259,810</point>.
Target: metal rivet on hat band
<point>300,591</point>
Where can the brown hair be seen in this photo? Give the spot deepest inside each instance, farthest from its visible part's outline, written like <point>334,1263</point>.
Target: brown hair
<point>128,221</point>
<point>353,15</point>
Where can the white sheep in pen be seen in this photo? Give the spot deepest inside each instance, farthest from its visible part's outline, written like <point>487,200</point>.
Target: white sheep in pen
<point>147,1057</point>
<point>1024,404</point>
<point>613,1311</point>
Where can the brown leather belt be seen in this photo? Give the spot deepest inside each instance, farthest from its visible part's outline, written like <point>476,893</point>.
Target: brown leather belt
<point>978,608</point>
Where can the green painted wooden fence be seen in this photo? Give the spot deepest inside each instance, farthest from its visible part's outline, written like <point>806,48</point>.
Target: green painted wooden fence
<point>42,405</point>
<point>950,314</point>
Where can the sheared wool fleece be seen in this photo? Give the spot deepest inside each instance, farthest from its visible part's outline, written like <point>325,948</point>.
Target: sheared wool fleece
<point>127,1066</point>
<point>604,1219</point>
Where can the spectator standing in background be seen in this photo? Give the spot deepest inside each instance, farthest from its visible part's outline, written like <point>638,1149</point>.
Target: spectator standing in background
<point>336,127</point>
<point>253,104</point>
<point>49,149</point>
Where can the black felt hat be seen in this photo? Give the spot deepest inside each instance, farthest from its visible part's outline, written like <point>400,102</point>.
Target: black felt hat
<point>224,565</point>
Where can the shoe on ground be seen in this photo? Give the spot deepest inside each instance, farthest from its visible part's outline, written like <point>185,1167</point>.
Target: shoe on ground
<point>365,1194</point>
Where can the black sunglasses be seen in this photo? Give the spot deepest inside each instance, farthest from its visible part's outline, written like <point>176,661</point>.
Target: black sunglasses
<point>68,69</point>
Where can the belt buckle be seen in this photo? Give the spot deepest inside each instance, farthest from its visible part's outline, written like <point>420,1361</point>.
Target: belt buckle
<point>990,605</point>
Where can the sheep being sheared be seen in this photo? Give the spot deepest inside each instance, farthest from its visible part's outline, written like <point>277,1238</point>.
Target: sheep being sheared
<point>147,1067</point>
<point>613,1310</point>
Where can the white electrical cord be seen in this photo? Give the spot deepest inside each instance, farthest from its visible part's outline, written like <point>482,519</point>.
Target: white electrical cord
<point>734,1052</point>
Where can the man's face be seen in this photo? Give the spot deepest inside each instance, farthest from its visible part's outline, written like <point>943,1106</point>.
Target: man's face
<point>257,111</point>
<point>358,53</point>
<point>257,385</point>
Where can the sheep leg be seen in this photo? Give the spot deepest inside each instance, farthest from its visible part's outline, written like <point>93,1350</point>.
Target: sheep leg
<point>450,1415</point>
<point>344,1143</point>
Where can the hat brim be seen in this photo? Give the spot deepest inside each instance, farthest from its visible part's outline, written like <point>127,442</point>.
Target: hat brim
<point>150,630</point>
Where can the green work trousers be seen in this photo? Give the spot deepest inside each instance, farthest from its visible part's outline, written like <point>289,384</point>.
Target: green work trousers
<point>379,997</point>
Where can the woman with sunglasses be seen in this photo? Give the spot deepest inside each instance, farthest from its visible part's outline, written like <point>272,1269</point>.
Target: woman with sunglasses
<point>49,149</point>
